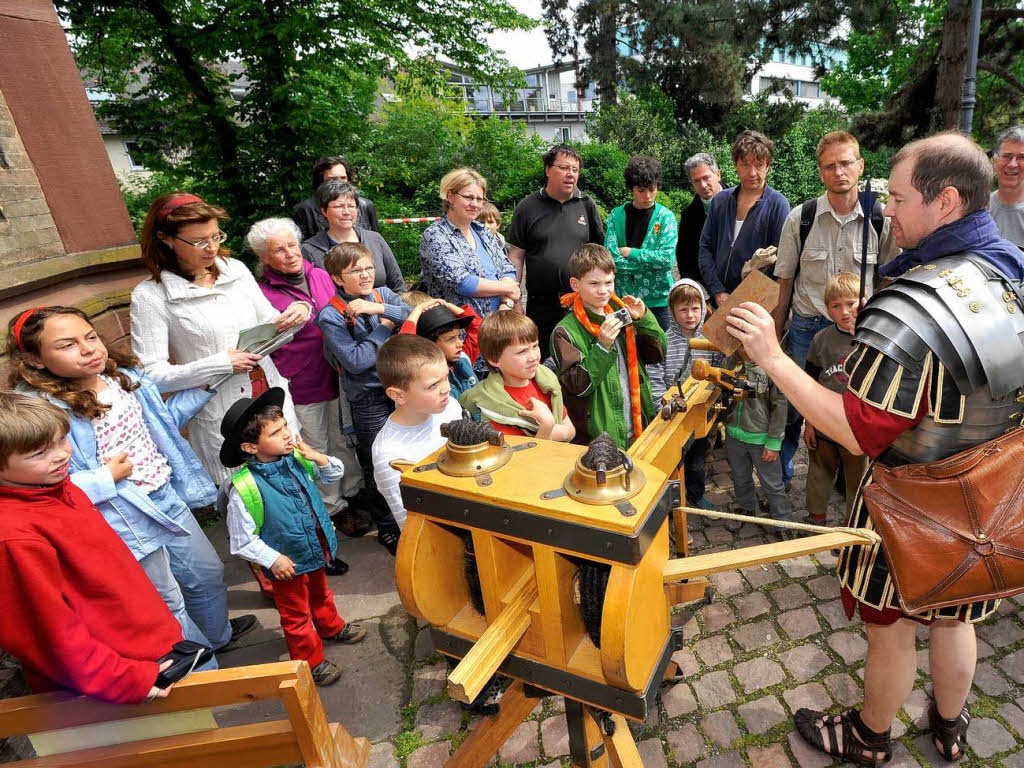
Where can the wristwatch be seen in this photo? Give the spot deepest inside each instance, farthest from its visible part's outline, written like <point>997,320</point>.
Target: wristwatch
<point>509,303</point>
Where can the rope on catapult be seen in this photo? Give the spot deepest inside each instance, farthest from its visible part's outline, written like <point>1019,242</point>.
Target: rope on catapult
<point>869,536</point>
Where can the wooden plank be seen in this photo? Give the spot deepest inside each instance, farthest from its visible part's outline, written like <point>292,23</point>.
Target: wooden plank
<point>702,565</point>
<point>620,746</point>
<point>756,287</point>
<point>584,736</point>
<point>476,668</point>
<point>52,711</point>
<point>492,731</point>
<point>259,745</point>
<point>306,713</point>
<point>694,589</point>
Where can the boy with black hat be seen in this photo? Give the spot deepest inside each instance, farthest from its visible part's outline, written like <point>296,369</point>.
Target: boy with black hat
<point>454,330</point>
<point>277,519</point>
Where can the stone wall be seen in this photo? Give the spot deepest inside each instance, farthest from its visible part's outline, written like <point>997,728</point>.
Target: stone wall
<point>27,230</point>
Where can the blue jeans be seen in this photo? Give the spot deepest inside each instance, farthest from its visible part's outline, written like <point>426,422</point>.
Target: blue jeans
<point>802,330</point>
<point>663,315</point>
<point>198,571</point>
<point>157,566</point>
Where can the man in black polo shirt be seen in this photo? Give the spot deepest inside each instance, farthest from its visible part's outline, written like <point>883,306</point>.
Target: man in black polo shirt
<point>547,227</point>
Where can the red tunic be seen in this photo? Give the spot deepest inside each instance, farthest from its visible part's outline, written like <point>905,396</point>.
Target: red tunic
<point>75,606</point>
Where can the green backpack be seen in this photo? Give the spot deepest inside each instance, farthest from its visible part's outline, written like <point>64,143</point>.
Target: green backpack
<point>245,484</point>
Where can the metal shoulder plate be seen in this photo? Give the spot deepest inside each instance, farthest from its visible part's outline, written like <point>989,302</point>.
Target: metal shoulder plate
<point>961,310</point>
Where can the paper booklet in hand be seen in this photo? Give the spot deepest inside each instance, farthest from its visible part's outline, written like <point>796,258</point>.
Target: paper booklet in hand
<point>260,340</point>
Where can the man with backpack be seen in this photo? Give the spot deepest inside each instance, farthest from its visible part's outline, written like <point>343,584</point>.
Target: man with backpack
<point>820,238</point>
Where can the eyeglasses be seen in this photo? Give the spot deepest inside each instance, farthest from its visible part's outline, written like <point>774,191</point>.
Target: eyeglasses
<point>842,165</point>
<point>472,198</point>
<point>361,272</point>
<point>205,243</point>
<point>567,168</point>
<point>1008,156</point>
<point>342,206</point>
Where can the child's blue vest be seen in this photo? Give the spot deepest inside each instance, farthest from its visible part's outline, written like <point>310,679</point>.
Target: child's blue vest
<point>461,376</point>
<point>294,511</point>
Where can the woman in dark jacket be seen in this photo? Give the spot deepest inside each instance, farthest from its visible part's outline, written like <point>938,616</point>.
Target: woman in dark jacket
<point>307,214</point>
<point>338,202</point>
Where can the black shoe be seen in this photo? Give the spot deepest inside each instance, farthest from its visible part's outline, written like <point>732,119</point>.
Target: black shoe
<point>388,538</point>
<point>352,521</point>
<point>240,627</point>
<point>337,567</point>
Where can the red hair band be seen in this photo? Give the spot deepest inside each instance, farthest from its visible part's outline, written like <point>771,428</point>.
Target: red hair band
<point>19,324</point>
<point>174,203</point>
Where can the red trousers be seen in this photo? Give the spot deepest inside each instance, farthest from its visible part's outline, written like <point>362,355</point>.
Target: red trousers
<point>308,613</point>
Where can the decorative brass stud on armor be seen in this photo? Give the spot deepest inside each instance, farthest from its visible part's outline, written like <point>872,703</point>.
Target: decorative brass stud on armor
<point>975,306</point>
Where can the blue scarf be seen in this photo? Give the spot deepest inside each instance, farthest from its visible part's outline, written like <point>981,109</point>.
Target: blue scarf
<point>975,233</point>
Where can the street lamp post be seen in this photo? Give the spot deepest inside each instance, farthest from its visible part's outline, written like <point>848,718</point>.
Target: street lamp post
<point>971,76</point>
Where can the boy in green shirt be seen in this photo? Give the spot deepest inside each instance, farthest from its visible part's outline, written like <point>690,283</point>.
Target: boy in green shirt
<point>599,358</point>
<point>641,236</point>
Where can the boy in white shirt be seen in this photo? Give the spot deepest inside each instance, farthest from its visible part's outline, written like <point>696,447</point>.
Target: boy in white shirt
<point>414,373</point>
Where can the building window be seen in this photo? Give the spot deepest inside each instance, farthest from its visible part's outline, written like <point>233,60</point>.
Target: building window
<point>562,135</point>
<point>810,90</point>
<point>131,149</point>
<point>570,95</point>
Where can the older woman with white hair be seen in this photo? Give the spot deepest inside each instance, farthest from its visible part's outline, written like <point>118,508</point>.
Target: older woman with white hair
<point>285,277</point>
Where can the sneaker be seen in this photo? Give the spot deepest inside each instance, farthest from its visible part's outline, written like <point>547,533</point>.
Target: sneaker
<point>337,567</point>
<point>735,525</point>
<point>703,503</point>
<point>326,673</point>
<point>350,635</point>
<point>388,538</point>
<point>240,627</point>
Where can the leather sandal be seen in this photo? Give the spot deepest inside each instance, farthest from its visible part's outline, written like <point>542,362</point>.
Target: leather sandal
<point>949,734</point>
<point>846,736</point>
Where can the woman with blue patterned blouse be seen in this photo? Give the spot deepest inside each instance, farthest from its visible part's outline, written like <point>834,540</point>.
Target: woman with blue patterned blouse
<point>462,261</point>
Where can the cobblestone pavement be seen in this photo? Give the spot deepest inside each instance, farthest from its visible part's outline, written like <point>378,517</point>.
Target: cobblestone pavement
<point>774,639</point>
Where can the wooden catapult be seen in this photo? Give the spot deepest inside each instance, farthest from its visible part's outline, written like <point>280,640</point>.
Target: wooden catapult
<point>572,585</point>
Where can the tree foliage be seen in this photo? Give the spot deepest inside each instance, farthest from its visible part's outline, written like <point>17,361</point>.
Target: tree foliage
<point>240,96</point>
<point>701,53</point>
<point>905,67</point>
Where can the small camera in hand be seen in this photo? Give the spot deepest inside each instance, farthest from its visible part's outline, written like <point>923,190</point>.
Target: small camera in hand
<point>623,315</point>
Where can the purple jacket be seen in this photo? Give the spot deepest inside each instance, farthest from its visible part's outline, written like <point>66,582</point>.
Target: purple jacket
<point>310,378</point>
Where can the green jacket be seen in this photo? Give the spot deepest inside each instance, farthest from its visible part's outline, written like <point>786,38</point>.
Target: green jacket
<point>759,419</point>
<point>489,400</point>
<point>594,392</point>
<point>647,271</point>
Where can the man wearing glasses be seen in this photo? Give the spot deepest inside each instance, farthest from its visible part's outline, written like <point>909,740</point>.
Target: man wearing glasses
<point>1007,203</point>
<point>547,227</point>
<point>821,238</point>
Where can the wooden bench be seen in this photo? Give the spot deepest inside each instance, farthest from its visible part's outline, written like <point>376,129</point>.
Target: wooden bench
<point>304,737</point>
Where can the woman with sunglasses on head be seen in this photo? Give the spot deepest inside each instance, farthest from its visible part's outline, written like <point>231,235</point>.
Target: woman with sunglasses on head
<point>339,202</point>
<point>193,307</point>
<point>462,261</point>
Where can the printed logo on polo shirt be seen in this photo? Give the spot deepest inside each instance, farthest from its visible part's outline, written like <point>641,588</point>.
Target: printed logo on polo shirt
<point>582,220</point>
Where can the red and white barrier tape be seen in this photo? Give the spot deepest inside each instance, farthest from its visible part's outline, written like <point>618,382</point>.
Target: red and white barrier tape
<point>417,220</point>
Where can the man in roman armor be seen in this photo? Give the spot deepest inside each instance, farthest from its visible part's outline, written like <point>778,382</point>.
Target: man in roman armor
<point>936,367</point>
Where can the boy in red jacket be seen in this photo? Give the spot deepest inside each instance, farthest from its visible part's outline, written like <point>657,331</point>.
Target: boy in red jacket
<point>77,609</point>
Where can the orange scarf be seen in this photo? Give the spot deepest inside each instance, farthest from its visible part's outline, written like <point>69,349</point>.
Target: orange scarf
<point>579,310</point>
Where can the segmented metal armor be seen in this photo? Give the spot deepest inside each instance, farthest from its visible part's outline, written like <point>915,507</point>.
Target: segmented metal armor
<point>950,331</point>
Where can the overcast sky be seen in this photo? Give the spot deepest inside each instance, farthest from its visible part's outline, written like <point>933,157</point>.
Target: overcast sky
<point>524,49</point>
